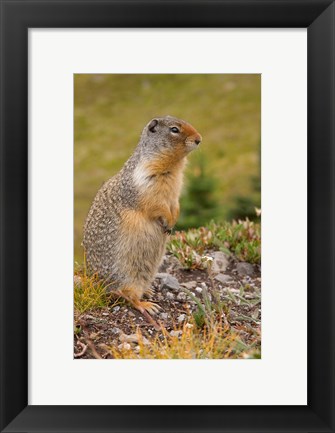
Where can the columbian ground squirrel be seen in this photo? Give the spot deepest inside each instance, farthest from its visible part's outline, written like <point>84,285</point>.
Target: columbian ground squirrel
<point>126,228</point>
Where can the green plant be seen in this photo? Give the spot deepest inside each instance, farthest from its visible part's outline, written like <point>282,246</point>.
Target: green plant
<point>241,238</point>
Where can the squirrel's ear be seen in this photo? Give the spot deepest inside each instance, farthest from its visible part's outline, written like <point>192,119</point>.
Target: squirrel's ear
<point>152,125</point>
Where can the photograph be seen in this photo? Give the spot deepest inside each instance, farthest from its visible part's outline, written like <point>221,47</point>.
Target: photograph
<point>150,151</point>
<point>167,216</point>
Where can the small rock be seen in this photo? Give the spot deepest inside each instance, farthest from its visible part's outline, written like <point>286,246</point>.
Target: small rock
<point>189,284</point>
<point>133,338</point>
<point>203,285</point>
<point>124,346</point>
<point>176,333</point>
<point>255,314</point>
<point>169,295</point>
<point>181,318</point>
<point>220,262</point>
<point>161,275</point>
<point>115,330</point>
<point>130,313</point>
<point>181,296</point>
<point>235,290</point>
<point>189,325</point>
<point>244,268</point>
<point>223,278</point>
<point>116,309</point>
<point>168,281</point>
<point>77,281</point>
<point>198,289</point>
<point>169,263</point>
<point>164,316</point>
<point>105,314</point>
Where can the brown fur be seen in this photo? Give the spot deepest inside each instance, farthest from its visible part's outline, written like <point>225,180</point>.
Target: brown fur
<point>125,231</point>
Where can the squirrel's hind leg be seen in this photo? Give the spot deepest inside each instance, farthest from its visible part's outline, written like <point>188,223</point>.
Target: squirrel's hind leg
<point>145,307</point>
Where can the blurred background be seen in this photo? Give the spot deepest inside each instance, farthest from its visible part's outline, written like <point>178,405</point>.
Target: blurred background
<point>222,179</point>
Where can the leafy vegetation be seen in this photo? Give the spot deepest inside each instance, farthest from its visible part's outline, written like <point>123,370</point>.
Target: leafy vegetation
<point>241,238</point>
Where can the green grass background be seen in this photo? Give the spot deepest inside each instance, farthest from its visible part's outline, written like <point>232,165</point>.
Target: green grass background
<point>110,111</point>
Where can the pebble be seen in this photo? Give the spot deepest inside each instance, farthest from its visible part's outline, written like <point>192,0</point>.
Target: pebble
<point>220,262</point>
<point>77,281</point>
<point>169,295</point>
<point>176,333</point>
<point>125,346</point>
<point>203,285</point>
<point>116,309</point>
<point>164,316</point>
<point>181,318</point>
<point>223,278</point>
<point>235,290</point>
<point>244,268</point>
<point>198,289</point>
<point>133,338</point>
<point>115,330</point>
<point>168,281</point>
<point>189,284</point>
<point>181,296</point>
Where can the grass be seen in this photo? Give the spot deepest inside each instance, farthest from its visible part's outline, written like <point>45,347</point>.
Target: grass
<point>91,293</point>
<point>111,110</point>
<point>188,342</point>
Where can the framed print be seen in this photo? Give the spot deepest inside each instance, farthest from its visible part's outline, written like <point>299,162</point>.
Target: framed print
<point>217,341</point>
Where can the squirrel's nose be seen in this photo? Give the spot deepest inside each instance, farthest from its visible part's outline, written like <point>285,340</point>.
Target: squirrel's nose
<point>197,141</point>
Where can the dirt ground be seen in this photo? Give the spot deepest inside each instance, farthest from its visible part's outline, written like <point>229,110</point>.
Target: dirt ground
<point>237,286</point>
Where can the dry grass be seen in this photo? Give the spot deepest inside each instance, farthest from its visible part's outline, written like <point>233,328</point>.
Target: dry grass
<point>187,342</point>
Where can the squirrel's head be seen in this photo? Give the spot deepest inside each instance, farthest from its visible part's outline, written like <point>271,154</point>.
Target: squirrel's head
<point>169,134</point>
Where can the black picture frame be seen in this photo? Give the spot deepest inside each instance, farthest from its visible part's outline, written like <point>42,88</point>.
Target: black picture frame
<point>318,16</point>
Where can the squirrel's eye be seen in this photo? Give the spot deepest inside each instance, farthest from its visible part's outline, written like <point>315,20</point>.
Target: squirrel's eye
<point>174,130</point>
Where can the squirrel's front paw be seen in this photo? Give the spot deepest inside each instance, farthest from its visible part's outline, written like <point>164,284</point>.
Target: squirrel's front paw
<point>166,229</point>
